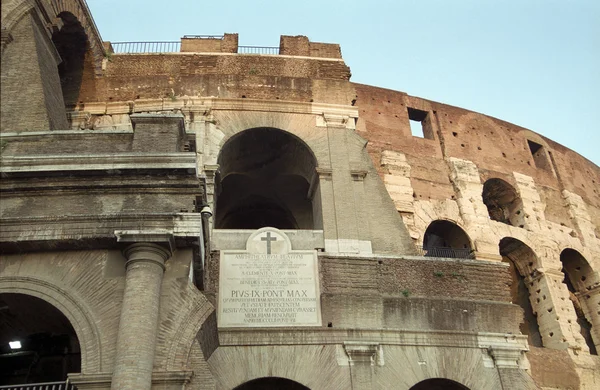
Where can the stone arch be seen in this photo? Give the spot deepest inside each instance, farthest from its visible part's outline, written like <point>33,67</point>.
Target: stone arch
<point>444,238</point>
<point>503,202</point>
<point>200,320</point>
<point>524,265</point>
<point>579,278</point>
<point>438,384</point>
<point>79,316</point>
<point>265,178</point>
<point>271,383</point>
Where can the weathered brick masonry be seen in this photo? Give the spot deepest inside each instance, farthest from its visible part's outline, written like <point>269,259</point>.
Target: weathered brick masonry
<point>467,257</point>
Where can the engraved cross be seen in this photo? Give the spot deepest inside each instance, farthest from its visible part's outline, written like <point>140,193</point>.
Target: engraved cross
<point>268,239</point>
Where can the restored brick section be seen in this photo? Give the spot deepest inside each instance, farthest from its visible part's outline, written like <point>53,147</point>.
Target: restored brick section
<point>130,77</point>
<point>294,45</point>
<point>31,93</point>
<point>227,44</point>
<point>417,278</point>
<point>157,133</point>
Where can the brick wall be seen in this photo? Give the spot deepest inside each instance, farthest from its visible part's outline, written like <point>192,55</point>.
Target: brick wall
<point>31,93</point>
<point>131,77</point>
<point>496,147</point>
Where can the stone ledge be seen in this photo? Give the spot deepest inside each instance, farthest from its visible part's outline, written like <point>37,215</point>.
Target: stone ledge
<point>109,162</point>
<point>92,231</point>
<point>328,336</point>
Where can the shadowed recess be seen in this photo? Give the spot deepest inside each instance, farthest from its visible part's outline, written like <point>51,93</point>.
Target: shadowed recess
<point>49,346</point>
<point>264,180</point>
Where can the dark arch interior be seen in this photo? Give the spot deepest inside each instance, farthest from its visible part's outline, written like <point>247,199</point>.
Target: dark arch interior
<point>271,384</point>
<point>438,384</point>
<point>49,346</point>
<point>578,277</point>
<point>503,202</point>
<point>445,234</point>
<point>72,45</point>
<point>522,261</point>
<point>264,180</point>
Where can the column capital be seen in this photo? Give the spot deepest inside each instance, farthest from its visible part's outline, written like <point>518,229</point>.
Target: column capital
<point>146,252</point>
<point>154,246</point>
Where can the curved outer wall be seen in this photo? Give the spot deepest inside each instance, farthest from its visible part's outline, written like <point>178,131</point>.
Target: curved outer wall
<point>136,156</point>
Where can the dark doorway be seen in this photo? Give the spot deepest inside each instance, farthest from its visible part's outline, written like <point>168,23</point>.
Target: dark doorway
<point>578,277</point>
<point>446,239</point>
<point>438,384</point>
<point>49,346</point>
<point>523,262</point>
<point>72,45</point>
<point>271,383</point>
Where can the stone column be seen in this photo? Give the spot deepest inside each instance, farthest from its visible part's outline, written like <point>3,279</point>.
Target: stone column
<point>138,326</point>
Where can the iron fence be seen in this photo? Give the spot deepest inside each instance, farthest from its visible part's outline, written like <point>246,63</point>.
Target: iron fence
<point>65,385</point>
<point>450,253</point>
<point>258,50</point>
<point>146,47</point>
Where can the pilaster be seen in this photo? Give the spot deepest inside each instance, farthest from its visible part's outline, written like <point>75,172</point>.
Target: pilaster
<point>556,317</point>
<point>362,357</point>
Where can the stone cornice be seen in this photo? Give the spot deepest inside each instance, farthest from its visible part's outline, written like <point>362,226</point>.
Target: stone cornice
<point>292,336</point>
<point>111,162</point>
<point>93,231</point>
<point>204,105</point>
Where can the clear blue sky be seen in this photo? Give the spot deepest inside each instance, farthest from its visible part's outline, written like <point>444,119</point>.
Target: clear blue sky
<point>534,63</point>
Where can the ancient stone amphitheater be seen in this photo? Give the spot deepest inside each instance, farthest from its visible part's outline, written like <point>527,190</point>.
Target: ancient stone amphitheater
<point>203,215</point>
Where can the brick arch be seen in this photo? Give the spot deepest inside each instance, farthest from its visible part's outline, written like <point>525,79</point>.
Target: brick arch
<point>47,10</point>
<point>80,10</point>
<point>79,317</point>
<point>191,325</point>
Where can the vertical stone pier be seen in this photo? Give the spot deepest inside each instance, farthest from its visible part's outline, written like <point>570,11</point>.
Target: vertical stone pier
<point>138,325</point>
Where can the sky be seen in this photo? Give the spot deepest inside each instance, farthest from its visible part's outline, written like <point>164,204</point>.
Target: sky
<point>534,63</point>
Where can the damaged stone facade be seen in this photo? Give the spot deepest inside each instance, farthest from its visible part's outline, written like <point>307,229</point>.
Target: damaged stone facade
<point>466,258</point>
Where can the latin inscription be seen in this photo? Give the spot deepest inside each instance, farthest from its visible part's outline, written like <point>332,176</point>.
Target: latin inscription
<point>268,290</point>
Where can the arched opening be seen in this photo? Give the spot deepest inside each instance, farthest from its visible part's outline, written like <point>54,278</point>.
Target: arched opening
<point>72,45</point>
<point>523,262</point>
<point>579,276</point>
<point>503,203</point>
<point>37,342</point>
<point>271,383</point>
<point>264,180</point>
<point>438,384</point>
<point>446,239</point>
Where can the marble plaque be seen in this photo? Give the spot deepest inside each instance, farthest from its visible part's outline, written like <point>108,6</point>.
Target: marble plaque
<point>268,284</point>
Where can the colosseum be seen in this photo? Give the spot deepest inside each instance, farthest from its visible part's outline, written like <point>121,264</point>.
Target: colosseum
<point>204,215</point>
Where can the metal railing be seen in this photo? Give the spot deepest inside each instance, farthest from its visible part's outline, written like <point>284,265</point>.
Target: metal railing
<point>258,50</point>
<point>146,47</point>
<point>65,385</point>
<point>450,253</point>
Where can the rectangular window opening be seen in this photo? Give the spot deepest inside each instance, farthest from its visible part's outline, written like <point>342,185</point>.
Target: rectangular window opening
<point>420,124</point>
<point>540,158</point>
